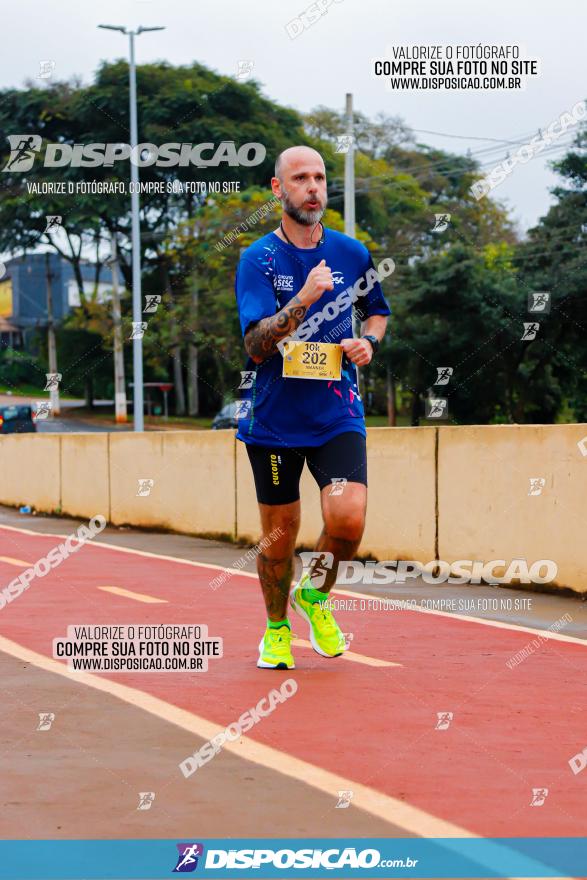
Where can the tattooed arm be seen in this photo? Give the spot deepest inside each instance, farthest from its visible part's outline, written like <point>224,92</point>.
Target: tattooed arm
<point>262,338</point>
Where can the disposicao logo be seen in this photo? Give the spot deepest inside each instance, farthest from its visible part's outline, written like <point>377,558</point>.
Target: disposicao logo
<point>187,860</point>
<point>24,148</point>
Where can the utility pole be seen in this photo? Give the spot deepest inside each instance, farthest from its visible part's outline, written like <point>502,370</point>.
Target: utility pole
<point>193,396</point>
<point>349,172</point>
<point>349,186</point>
<point>391,411</point>
<point>349,201</point>
<point>137,305</point>
<point>119,384</point>
<point>52,348</point>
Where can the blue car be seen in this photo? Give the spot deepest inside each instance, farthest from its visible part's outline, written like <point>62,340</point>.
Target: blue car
<point>17,419</point>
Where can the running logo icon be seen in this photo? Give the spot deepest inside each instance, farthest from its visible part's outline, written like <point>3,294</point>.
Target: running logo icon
<point>437,408</point>
<point>145,486</point>
<point>244,70</point>
<point>444,719</point>
<point>53,221</point>
<point>46,719</point>
<point>138,329</point>
<point>531,329</point>
<point>42,409</point>
<point>344,143</point>
<point>151,302</point>
<point>23,148</point>
<point>53,380</point>
<point>344,799</point>
<point>441,222</point>
<point>539,795</point>
<point>146,799</point>
<point>338,484</point>
<point>444,374</point>
<point>247,379</point>
<point>46,69</point>
<point>242,408</point>
<point>187,860</point>
<point>316,564</point>
<point>539,302</point>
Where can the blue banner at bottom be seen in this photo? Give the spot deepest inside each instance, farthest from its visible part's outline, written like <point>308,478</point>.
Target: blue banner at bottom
<point>284,858</point>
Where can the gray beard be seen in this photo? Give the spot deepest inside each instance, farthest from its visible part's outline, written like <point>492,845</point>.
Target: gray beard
<point>305,218</point>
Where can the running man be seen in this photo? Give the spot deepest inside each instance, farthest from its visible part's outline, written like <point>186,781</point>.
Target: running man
<point>282,280</point>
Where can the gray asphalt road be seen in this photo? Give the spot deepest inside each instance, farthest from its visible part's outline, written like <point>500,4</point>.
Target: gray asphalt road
<point>75,426</point>
<point>65,424</point>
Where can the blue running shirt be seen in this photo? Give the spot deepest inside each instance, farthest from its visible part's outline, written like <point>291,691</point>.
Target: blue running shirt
<point>303,412</point>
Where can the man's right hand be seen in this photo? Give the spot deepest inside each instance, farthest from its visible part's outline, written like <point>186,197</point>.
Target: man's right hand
<point>318,280</point>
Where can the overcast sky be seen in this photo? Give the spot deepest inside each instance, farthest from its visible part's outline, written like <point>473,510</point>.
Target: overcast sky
<point>334,56</point>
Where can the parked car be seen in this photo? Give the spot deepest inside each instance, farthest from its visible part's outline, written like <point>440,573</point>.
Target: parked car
<point>226,418</point>
<point>17,419</point>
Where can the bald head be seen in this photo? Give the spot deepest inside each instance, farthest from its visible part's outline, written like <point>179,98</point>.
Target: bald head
<point>300,184</point>
<point>296,156</point>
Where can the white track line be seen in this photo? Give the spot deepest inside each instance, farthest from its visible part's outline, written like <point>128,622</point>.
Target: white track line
<point>350,655</point>
<point>138,597</point>
<point>382,806</point>
<point>386,808</point>
<point>545,633</point>
<point>10,560</point>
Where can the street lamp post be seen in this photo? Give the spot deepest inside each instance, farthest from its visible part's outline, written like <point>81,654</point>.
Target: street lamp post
<point>137,350</point>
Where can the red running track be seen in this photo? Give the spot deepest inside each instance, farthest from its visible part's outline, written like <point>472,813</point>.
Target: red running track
<point>513,729</point>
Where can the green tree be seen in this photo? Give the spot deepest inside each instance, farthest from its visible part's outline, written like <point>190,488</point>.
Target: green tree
<point>186,104</point>
<point>466,309</point>
<point>554,260</point>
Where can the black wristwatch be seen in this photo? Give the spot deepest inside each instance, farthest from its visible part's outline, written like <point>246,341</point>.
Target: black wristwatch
<point>374,342</point>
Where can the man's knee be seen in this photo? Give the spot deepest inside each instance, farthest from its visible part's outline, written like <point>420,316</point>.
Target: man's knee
<point>346,524</point>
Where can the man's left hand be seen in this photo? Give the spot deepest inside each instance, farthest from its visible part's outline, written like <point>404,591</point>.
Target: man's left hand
<point>358,351</point>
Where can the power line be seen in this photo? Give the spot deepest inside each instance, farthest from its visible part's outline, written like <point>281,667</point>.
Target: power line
<point>447,160</point>
<point>463,137</point>
<point>419,177</point>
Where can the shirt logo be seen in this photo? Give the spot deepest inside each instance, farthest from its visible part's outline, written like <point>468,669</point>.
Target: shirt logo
<point>338,277</point>
<point>283,282</point>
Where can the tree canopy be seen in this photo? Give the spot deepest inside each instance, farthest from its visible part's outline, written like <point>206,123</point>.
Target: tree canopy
<point>459,294</point>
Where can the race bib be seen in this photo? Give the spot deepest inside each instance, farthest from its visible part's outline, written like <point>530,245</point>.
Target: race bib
<point>312,360</point>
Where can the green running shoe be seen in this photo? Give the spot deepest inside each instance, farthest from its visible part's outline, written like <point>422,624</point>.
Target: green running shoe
<point>275,649</point>
<point>325,634</point>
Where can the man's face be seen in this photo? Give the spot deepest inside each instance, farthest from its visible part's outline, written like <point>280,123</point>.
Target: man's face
<point>302,189</point>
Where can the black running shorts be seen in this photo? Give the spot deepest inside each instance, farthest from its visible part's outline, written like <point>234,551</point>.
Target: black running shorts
<point>277,470</point>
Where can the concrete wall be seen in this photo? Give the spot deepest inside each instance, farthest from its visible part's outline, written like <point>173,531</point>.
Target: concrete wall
<point>449,493</point>
<point>85,485</point>
<point>401,517</point>
<point>193,480</point>
<point>30,470</point>
<point>486,511</point>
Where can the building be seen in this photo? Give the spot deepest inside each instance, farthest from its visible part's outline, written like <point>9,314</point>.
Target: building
<point>23,293</point>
